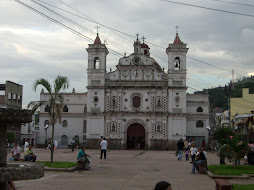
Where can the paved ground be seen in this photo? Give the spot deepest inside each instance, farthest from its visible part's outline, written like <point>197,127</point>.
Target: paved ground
<point>123,170</point>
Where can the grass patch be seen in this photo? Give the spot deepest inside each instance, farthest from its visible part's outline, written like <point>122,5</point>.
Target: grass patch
<point>243,187</point>
<point>230,170</point>
<point>58,164</point>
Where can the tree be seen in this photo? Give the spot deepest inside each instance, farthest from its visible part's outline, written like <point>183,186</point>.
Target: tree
<point>10,136</point>
<point>235,149</point>
<point>55,101</point>
<point>222,134</point>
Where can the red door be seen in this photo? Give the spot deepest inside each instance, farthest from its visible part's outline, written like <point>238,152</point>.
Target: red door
<point>136,136</point>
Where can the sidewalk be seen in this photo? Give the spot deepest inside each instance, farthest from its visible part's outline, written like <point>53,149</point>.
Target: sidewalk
<point>123,170</point>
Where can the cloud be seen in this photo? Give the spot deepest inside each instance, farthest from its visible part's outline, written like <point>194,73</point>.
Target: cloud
<point>32,46</point>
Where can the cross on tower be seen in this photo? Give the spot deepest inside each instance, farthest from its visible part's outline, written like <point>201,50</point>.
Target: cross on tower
<point>97,29</point>
<point>143,38</point>
<point>137,36</point>
<point>177,29</point>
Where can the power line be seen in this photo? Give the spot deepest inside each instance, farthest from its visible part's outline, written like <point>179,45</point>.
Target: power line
<point>91,20</point>
<point>96,21</point>
<point>230,2</point>
<point>197,60</point>
<point>66,27</point>
<point>200,79</point>
<point>208,8</point>
<point>78,25</point>
<point>63,25</point>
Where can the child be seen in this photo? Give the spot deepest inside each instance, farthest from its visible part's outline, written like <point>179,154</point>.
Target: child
<point>187,152</point>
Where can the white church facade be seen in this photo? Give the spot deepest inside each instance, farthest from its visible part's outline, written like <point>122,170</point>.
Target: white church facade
<point>137,105</point>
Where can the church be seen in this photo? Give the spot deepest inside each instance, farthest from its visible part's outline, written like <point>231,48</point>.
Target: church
<point>137,106</point>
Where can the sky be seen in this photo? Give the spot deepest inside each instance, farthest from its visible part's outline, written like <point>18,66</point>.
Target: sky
<point>32,47</point>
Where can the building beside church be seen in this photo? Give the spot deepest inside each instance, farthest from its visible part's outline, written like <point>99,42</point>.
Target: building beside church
<point>137,105</point>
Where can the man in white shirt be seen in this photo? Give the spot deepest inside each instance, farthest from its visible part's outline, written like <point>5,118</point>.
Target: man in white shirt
<point>104,145</point>
<point>193,151</point>
<point>26,145</point>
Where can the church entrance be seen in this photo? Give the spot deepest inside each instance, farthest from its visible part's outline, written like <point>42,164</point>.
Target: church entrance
<point>136,136</point>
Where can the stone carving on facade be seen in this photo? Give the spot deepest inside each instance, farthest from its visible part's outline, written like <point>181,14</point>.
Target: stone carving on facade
<point>153,130</point>
<point>108,103</point>
<point>107,129</point>
<point>165,103</point>
<point>158,102</point>
<point>114,102</point>
<point>177,101</point>
<point>158,127</point>
<point>113,126</point>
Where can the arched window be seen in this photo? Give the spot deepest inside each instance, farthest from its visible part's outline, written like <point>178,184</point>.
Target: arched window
<point>199,109</point>
<point>64,140</point>
<point>65,109</point>
<point>145,52</point>
<point>200,123</point>
<point>96,63</point>
<point>177,63</point>
<point>136,101</point>
<point>76,138</point>
<point>46,122</point>
<point>65,123</point>
<point>47,109</point>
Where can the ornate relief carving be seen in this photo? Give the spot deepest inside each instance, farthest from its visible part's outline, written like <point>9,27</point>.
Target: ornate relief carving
<point>165,131</point>
<point>165,103</point>
<point>107,129</point>
<point>108,103</point>
<point>153,130</point>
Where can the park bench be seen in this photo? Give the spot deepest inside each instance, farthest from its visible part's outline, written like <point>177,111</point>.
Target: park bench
<point>222,184</point>
<point>202,168</point>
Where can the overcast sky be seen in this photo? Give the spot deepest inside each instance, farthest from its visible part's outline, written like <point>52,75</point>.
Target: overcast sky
<point>33,47</point>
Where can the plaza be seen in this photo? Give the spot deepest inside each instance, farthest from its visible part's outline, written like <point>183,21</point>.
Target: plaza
<point>123,170</point>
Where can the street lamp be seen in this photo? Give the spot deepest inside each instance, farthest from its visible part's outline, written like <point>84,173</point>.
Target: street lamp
<point>46,127</point>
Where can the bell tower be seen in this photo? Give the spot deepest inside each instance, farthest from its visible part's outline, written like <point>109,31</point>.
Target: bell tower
<point>177,88</point>
<point>96,72</point>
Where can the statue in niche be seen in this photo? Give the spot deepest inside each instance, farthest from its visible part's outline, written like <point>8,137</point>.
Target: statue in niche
<point>158,101</point>
<point>158,127</point>
<point>114,101</point>
<point>113,127</point>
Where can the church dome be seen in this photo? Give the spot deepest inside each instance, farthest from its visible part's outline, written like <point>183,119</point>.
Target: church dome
<point>144,46</point>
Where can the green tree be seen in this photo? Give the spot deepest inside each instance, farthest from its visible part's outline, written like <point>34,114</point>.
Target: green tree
<point>55,101</point>
<point>10,137</point>
<point>235,149</point>
<point>222,135</point>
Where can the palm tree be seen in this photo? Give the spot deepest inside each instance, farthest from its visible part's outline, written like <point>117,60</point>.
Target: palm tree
<point>55,101</point>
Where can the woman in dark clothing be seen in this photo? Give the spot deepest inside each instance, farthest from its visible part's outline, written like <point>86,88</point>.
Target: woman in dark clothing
<point>200,159</point>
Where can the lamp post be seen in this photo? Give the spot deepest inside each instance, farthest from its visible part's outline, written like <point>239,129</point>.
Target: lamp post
<point>46,127</point>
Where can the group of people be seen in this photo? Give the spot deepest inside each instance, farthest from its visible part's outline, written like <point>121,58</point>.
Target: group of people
<point>28,152</point>
<point>197,156</point>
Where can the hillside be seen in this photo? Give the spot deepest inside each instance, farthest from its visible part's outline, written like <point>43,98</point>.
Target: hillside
<point>219,96</point>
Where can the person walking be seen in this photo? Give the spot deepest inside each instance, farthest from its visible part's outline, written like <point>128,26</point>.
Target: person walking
<point>72,144</point>
<point>104,145</point>
<point>180,146</point>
